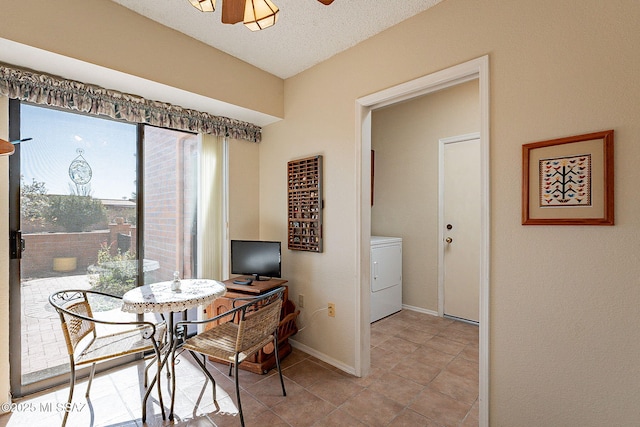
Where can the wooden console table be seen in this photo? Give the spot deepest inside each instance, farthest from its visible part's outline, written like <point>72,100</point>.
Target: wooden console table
<point>264,360</point>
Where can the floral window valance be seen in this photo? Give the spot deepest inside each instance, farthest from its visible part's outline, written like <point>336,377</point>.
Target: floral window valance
<point>45,89</point>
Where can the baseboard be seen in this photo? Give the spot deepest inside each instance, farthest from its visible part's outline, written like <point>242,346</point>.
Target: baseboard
<point>321,356</point>
<point>420,310</point>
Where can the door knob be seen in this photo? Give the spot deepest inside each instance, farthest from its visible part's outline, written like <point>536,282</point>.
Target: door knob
<point>448,240</point>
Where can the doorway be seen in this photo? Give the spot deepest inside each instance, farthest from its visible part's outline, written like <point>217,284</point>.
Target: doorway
<point>471,70</point>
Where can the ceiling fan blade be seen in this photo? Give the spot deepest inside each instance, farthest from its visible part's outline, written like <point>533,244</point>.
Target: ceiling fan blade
<point>326,2</point>
<point>233,11</point>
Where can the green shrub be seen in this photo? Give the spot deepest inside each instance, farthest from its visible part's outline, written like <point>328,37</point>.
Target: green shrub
<point>34,202</point>
<point>75,213</point>
<point>114,274</point>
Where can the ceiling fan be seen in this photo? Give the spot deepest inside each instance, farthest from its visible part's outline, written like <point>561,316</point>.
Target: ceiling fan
<point>255,14</point>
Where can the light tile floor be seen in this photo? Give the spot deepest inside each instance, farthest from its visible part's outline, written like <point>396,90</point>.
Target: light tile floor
<point>424,373</point>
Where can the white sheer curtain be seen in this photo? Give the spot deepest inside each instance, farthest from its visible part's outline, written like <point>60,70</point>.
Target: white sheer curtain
<point>213,208</point>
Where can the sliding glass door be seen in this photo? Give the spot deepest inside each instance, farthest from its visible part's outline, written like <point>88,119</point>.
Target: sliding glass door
<point>95,203</point>
<point>77,219</point>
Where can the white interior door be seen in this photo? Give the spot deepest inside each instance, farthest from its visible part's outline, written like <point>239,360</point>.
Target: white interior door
<point>460,223</point>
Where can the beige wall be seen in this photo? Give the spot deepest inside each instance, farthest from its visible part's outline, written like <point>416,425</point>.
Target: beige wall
<point>564,300</point>
<point>405,139</point>
<point>244,190</point>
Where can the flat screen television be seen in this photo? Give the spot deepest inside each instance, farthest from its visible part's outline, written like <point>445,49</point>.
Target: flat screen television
<point>258,258</point>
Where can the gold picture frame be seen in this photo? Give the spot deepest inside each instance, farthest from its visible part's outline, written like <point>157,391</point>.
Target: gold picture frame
<point>569,181</point>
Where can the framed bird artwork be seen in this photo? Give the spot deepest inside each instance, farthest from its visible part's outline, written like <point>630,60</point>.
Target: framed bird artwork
<point>568,181</point>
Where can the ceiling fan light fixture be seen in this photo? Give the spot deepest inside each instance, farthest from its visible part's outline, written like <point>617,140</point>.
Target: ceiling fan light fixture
<point>204,5</point>
<point>260,14</point>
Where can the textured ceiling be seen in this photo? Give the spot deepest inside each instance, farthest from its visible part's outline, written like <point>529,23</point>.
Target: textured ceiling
<point>306,33</point>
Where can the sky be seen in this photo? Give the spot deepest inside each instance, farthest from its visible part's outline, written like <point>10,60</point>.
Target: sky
<point>109,149</point>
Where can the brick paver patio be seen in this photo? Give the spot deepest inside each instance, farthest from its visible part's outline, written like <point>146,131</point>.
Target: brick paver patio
<point>44,352</point>
<point>43,347</point>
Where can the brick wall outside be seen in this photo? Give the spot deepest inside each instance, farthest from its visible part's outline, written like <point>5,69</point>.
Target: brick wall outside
<point>120,227</point>
<point>167,220</point>
<point>41,248</point>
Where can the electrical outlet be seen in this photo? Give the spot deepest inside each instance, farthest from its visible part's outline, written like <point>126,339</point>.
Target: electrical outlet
<point>301,301</point>
<point>332,310</point>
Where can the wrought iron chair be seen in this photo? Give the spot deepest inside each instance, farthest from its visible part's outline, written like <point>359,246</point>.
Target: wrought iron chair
<point>78,322</point>
<point>243,331</point>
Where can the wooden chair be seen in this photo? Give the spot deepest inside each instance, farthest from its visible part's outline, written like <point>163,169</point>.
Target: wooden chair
<point>246,328</point>
<point>78,323</point>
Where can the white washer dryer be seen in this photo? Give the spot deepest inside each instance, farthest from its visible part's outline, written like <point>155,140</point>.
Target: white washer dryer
<point>386,276</point>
